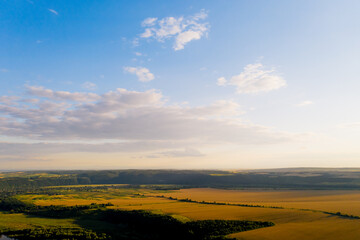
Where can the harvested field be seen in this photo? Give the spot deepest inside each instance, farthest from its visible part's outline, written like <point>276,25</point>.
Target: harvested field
<point>291,220</point>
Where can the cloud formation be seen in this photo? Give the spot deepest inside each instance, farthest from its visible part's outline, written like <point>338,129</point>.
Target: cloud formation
<point>183,29</point>
<point>61,95</point>
<point>122,121</point>
<point>127,115</point>
<point>255,79</point>
<point>143,74</point>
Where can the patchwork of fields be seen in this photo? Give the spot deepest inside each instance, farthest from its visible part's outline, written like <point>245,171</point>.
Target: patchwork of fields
<point>299,215</point>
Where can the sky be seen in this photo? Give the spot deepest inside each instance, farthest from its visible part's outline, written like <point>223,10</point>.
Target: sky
<point>208,84</point>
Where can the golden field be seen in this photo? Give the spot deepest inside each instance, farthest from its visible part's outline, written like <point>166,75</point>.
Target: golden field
<point>290,223</point>
<point>324,200</point>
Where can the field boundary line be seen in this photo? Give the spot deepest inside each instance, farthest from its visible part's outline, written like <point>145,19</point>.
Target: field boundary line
<point>339,214</point>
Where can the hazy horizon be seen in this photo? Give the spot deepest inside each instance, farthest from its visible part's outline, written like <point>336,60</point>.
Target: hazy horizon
<point>179,85</point>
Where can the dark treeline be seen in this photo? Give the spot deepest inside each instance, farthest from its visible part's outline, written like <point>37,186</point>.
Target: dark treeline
<point>15,184</point>
<point>219,203</point>
<point>57,233</point>
<point>191,178</point>
<point>121,224</point>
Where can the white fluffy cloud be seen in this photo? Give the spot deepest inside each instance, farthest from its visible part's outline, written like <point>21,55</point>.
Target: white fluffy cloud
<point>143,74</point>
<point>255,78</point>
<point>183,29</point>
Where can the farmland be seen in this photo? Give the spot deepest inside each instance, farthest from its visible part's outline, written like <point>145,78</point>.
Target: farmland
<point>300,213</point>
<point>259,213</point>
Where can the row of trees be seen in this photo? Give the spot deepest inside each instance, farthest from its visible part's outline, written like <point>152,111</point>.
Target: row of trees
<point>57,233</point>
<point>219,179</point>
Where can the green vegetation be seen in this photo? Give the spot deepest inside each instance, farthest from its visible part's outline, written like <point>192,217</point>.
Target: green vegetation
<point>176,179</point>
<point>96,221</point>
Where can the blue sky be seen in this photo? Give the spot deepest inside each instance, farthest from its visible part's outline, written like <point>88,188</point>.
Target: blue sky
<point>287,94</point>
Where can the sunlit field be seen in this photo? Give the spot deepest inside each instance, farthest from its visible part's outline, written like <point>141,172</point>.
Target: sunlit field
<point>324,200</point>
<point>18,221</point>
<point>299,217</point>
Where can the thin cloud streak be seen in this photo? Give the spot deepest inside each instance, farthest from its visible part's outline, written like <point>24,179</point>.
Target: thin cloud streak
<point>53,11</point>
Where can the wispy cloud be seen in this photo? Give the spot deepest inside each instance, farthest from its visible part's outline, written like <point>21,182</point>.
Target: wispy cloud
<point>143,74</point>
<point>135,42</point>
<point>255,78</point>
<point>149,22</point>
<point>221,81</point>
<point>304,103</point>
<point>53,11</point>
<point>187,152</point>
<point>9,100</point>
<point>61,95</point>
<point>3,70</point>
<point>182,29</point>
<point>89,85</point>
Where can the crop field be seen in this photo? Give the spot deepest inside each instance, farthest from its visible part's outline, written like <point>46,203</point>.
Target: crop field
<point>290,222</point>
<point>325,200</point>
<point>298,214</point>
<point>18,221</point>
